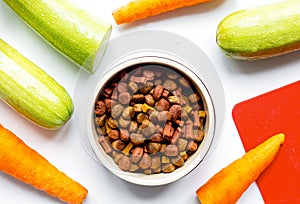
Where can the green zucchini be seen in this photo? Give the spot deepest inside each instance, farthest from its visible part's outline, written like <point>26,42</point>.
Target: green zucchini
<point>261,32</point>
<point>31,91</point>
<point>79,36</point>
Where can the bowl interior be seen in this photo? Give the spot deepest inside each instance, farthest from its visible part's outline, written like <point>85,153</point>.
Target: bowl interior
<point>195,158</point>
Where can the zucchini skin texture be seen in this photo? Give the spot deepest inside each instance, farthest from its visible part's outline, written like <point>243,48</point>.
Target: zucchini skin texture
<point>31,91</point>
<point>74,33</point>
<point>261,32</point>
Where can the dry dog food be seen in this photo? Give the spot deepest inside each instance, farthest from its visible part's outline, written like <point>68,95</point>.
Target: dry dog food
<point>150,119</point>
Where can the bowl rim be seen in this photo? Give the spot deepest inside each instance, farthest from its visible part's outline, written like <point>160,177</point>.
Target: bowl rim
<point>195,159</point>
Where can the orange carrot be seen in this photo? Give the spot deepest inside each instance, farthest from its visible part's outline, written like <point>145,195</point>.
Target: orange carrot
<point>231,182</point>
<point>139,9</point>
<point>20,161</point>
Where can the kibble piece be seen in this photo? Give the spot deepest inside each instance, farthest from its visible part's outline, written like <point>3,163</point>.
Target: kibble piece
<point>114,134</point>
<point>158,90</point>
<point>100,120</point>
<point>153,115</point>
<point>141,117</point>
<point>148,128</point>
<point>117,110</point>
<point>171,150</point>
<point>133,126</point>
<point>124,163</point>
<point>194,98</point>
<point>100,108</point>
<point>175,111</point>
<point>184,82</point>
<point>199,135</point>
<point>138,108</point>
<point>117,157</point>
<point>149,100</point>
<point>182,144</point>
<point>148,74</point>
<point>165,159</point>
<point>137,154</point>
<point>157,137</point>
<point>118,145</point>
<point>127,149</point>
<point>163,116</point>
<point>162,105</point>
<point>124,135</point>
<point>177,161</point>
<point>137,139</point>
<point>124,98</point>
<point>174,99</point>
<point>133,87</point>
<point>128,113</point>
<point>153,147</point>
<point>122,87</point>
<point>156,162</point>
<point>168,168</point>
<point>145,161</point>
<point>112,123</point>
<point>170,85</point>
<point>192,146</point>
<point>105,144</point>
<point>138,98</point>
<point>134,167</point>
<point>146,89</point>
<point>123,122</point>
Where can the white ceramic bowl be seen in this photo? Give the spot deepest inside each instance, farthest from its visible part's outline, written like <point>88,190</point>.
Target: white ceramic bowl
<point>194,160</point>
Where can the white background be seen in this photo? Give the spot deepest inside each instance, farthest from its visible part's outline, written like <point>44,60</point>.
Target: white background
<point>241,80</point>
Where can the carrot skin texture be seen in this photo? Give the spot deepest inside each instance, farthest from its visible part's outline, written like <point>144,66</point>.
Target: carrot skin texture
<point>25,164</point>
<point>140,9</point>
<point>231,182</point>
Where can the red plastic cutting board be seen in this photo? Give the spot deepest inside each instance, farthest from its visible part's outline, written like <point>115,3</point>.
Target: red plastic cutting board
<point>260,117</point>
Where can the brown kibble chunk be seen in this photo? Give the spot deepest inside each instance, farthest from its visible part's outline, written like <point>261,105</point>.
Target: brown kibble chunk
<point>171,150</point>
<point>100,120</point>
<point>156,162</point>
<point>162,105</point>
<point>194,98</point>
<point>153,147</point>
<point>124,163</point>
<point>124,134</point>
<point>177,161</point>
<point>118,145</point>
<point>175,111</point>
<point>192,146</point>
<point>114,134</point>
<point>117,110</point>
<point>123,122</point>
<point>100,108</point>
<point>137,139</point>
<point>170,85</point>
<point>124,98</point>
<point>122,87</point>
<point>149,100</point>
<point>133,87</point>
<point>148,128</point>
<point>128,113</point>
<point>137,154</point>
<point>105,144</point>
<point>168,168</point>
<point>145,161</point>
<point>158,90</point>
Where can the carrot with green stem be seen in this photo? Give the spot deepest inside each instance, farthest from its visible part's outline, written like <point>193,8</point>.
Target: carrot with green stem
<point>140,9</point>
<point>227,186</point>
<point>25,164</point>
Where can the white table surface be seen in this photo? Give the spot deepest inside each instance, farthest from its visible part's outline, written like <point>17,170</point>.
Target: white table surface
<point>241,80</point>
